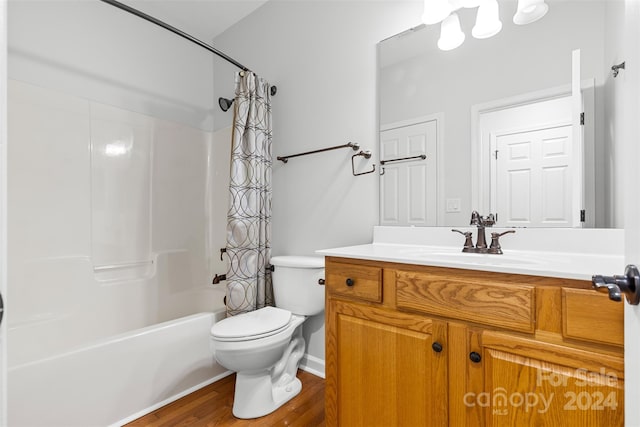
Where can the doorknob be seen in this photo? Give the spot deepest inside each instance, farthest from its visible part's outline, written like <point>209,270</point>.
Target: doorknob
<point>627,284</point>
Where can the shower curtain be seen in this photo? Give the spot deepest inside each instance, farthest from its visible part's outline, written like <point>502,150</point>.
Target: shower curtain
<point>249,218</point>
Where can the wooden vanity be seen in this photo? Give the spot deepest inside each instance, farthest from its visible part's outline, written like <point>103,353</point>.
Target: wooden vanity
<point>414,345</point>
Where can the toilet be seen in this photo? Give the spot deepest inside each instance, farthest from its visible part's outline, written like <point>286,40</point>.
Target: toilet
<point>265,346</point>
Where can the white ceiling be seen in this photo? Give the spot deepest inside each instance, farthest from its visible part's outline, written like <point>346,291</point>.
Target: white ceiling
<point>202,19</point>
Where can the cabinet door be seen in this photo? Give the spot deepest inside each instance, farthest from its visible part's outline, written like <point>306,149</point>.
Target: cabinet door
<point>382,369</point>
<point>528,383</point>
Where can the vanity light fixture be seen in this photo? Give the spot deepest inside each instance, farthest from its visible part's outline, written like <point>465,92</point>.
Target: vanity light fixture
<point>530,11</point>
<point>487,24</point>
<point>451,35</point>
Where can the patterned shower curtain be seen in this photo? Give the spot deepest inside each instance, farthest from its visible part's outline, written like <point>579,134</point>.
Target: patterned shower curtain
<point>249,218</point>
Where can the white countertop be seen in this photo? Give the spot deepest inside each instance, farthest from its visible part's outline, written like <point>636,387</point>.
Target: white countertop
<point>568,253</point>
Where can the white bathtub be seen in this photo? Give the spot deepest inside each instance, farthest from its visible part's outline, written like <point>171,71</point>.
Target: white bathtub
<point>115,380</point>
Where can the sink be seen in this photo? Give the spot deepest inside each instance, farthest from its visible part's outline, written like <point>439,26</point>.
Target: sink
<point>477,259</point>
<point>442,254</point>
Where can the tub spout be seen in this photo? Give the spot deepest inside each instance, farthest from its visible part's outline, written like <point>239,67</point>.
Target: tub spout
<point>218,278</point>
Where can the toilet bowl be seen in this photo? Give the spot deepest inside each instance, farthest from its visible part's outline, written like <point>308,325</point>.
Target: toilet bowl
<point>265,346</point>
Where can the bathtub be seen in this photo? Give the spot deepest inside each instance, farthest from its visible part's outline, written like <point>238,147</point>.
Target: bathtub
<point>115,380</point>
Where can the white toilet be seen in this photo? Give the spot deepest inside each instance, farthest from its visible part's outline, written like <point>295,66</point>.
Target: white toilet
<point>265,346</point>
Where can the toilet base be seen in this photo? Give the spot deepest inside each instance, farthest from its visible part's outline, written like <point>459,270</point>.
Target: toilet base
<point>260,393</point>
<point>257,396</point>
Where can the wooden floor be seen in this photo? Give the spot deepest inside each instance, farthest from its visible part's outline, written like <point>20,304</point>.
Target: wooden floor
<point>211,406</point>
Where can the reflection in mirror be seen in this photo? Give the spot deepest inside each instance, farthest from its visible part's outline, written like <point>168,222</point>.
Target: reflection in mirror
<point>511,93</point>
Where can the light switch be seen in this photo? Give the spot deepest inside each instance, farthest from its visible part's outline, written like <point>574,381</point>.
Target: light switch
<point>453,205</point>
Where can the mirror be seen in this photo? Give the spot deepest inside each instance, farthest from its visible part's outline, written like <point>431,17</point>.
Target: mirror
<point>457,106</point>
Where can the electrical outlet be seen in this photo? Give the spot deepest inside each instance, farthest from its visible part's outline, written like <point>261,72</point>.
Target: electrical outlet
<point>453,205</point>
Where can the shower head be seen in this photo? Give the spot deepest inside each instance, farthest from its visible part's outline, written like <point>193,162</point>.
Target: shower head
<point>225,103</point>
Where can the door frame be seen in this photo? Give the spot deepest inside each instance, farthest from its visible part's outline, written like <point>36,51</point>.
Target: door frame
<point>481,167</point>
<point>439,119</point>
<point>3,208</point>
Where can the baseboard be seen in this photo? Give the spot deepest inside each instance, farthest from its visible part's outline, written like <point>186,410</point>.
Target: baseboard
<point>170,399</point>
<point>313,365</point>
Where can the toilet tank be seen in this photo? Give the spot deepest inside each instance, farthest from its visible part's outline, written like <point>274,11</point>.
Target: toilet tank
<point>295,284</point>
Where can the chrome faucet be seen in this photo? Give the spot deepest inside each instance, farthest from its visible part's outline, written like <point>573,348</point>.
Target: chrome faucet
<point>481,242</point>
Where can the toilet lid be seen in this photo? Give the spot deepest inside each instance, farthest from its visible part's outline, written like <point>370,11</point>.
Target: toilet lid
<point>297,261</point>
<point>259,322</point>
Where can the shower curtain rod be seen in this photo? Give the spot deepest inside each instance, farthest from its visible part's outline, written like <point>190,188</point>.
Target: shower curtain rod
<point>175,31</point>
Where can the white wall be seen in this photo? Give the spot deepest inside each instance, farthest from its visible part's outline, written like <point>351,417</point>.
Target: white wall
<point>322,57</point>
<point>96,51</point>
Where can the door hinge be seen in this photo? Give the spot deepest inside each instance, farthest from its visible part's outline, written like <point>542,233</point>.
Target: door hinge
<point>495,153</point>
<point>582,118</point>
<point>583,214</point>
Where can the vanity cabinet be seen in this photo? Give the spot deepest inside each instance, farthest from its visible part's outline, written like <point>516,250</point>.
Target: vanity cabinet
<point>428,346</point>
<point>384,370</point>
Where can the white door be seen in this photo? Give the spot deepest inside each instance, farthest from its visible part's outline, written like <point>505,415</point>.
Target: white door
<point>628,86</point>
<point>533,178</point>
<point>3,211</point>
<point>506,121</point>
<point>408,183</point>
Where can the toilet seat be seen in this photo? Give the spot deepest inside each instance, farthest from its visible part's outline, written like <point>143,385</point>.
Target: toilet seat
<point>253,325</point>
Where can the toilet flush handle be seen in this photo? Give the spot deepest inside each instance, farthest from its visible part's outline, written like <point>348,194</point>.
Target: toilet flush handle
<point>321,282</point>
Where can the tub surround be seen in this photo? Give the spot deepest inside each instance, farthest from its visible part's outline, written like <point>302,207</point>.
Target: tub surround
<point>71,290</point>
<point>563,253</point>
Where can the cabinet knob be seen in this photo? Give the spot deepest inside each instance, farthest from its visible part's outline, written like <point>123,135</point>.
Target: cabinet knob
<point>437,347</point>
<point>350,282</point>
<point>475,357</point>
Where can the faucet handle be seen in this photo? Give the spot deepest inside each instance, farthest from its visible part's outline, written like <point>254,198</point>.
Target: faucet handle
<point>476,219</point>
<point>494,234</point>
<point>495,242</point>
<point>468,241</point>
<point>488,220</point>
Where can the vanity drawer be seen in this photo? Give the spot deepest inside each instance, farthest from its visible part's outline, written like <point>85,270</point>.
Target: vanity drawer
<point>591,316</point>
<point>506,305</point>
<point>355,281</point>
